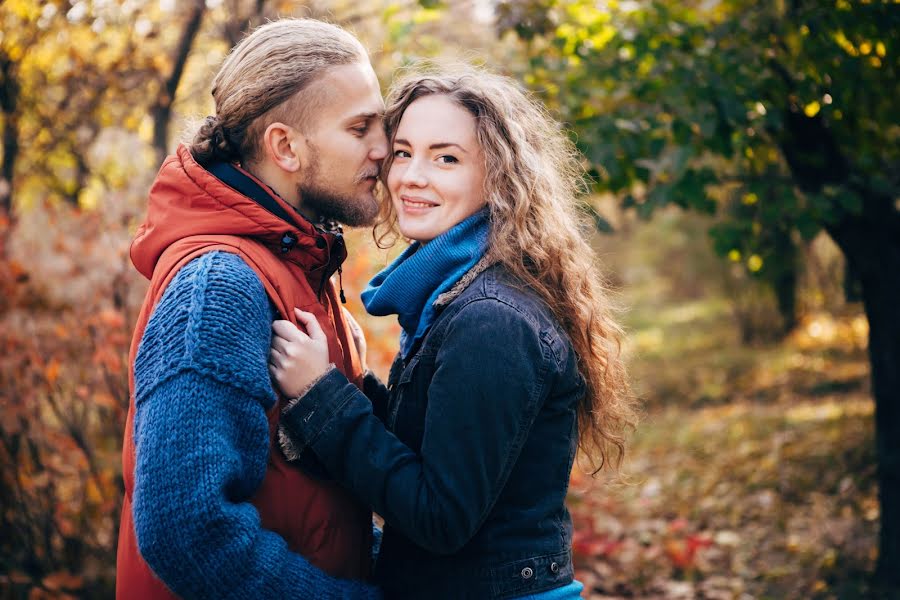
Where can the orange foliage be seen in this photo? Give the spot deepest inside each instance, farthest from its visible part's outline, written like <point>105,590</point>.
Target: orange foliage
<point>65,316</point>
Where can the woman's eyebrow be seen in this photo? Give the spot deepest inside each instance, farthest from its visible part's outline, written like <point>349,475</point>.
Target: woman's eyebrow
<point>438,146</point>
<point>443,145</point>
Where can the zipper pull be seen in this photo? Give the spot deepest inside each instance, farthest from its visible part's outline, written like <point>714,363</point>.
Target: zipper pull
<point>341,285</point>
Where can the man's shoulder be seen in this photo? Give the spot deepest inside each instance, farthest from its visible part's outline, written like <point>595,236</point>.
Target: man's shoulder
<point>218,271</point>
<point>214,318</point>
<point>219,292</point>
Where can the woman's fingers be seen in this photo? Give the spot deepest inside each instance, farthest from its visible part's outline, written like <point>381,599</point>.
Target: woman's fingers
<point>308,320</point>
<point>276,356</point>
<point>281,345</point>
<point>296,358</point>
<point>288,331</point>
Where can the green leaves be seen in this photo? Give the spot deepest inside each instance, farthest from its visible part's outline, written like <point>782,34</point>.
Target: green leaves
<point>679,103</point>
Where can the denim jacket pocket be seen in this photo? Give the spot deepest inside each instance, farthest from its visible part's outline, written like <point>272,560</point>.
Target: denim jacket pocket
<point>531,575</point>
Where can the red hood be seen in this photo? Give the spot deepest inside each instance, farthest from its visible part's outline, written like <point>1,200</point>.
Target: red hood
<point>187,200</point>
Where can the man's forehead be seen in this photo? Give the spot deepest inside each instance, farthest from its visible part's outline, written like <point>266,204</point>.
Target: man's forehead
<point>352,91</point>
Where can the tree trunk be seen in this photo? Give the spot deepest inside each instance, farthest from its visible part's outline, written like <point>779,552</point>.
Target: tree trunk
<point>9,99</point>
<point>784,280</point>
<point>871,243</point>
<point>881,297</point>
<point>161,111</point>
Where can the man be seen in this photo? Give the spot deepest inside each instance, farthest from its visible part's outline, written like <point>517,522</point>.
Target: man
<point>211,507</point>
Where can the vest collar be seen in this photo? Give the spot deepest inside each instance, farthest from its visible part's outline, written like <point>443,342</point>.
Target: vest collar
<point>187,199</point>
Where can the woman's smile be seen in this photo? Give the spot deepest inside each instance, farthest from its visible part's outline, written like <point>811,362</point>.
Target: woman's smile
<point>415,205</point>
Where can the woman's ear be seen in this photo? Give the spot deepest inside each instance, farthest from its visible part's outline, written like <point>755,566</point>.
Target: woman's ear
<point>284,146</point>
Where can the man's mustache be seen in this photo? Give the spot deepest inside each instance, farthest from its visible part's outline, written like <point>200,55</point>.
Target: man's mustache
<point>363,176</point>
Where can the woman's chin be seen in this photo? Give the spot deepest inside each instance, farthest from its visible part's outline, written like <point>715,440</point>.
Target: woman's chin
<point>415,234</point>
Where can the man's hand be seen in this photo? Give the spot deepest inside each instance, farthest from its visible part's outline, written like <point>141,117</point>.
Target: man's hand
<point>297,359</point>
<point>359,338</point>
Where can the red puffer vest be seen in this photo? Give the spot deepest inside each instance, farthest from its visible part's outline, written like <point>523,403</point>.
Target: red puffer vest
<point>192,212</point>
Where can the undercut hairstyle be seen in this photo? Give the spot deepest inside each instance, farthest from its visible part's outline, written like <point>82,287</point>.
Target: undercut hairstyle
<point>270,77</point>
<point>532,186</point>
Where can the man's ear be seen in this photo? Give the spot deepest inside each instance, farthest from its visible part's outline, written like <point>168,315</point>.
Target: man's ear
<point>284,146</point>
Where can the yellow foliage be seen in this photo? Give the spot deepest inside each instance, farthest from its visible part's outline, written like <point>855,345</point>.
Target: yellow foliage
<point>750,199</point>
<point>90,197</point>
<point>754,263</point>
<point>426,15</point>
<point>145,130</point>
<point>24,9</point>
<point>45,58</point>
<point>587,14</point>
<point>646,64</point>
<point>812,109</point>
<point>602,37</point>
<point>15,53</point>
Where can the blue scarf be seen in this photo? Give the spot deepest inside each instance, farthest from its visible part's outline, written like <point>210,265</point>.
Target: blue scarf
<point>409,286</point>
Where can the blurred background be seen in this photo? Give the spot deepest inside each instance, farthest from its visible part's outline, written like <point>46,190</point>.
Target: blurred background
<point>743,163</point>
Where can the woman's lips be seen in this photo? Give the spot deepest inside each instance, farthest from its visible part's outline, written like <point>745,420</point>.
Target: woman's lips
<point>416,205</point>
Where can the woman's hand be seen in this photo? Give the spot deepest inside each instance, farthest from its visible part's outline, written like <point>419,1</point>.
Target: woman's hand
<point>297,359</point>
<point>359,338</point>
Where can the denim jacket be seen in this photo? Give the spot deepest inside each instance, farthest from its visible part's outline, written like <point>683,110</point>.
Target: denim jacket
<point>466,452</point>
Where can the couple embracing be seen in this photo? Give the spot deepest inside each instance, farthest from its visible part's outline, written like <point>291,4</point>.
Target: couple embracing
<point>257,443</point>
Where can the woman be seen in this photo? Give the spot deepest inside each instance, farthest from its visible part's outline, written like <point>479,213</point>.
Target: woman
<point>508,356</point>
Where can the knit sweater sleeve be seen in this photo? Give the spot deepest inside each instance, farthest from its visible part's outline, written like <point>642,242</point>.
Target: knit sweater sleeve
<point>201,435</point>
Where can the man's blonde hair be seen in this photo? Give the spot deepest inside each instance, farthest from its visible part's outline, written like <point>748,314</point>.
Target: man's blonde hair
<point>266,79</point>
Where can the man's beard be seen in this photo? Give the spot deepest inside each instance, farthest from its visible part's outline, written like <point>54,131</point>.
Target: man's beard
<point>330,204</point>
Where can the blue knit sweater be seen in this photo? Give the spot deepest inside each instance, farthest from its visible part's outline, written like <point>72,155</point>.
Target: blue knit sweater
<point>202,389</point>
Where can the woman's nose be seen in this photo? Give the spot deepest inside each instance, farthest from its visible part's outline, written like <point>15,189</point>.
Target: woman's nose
<point>414,175</point>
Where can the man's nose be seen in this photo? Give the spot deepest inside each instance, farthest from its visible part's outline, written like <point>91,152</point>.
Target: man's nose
<point>379,149</point>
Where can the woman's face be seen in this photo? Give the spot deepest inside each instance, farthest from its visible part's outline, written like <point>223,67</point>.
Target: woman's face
<point>437,175</point>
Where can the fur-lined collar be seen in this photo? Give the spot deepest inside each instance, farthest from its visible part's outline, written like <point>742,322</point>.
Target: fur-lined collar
<point>467,279</point>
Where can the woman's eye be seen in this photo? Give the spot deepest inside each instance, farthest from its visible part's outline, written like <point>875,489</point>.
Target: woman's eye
<point>447,159</point>
<point>361,130</point>
<point>401,154</point>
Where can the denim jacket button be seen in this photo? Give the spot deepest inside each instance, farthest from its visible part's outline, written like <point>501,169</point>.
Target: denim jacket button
<point>554,567</point>
<point>527,572</point>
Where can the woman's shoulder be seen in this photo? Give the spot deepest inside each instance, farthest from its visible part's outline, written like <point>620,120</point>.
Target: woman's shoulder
<point>498,305</point>
<point>498,296</point>
<point>497,283</point>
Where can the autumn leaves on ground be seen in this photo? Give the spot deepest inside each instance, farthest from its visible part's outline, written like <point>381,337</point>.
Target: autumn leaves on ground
<point>751,475</point>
